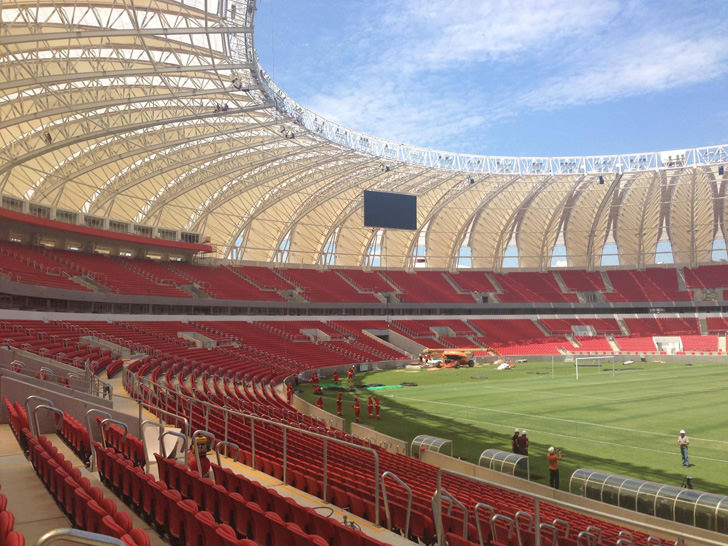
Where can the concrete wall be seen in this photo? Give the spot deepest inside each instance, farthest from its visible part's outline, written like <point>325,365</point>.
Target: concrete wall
<point>18,389</point>
<point>330,419</point>
<point>391,444</point>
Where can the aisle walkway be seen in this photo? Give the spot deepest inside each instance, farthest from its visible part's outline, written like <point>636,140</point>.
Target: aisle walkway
<point>34,509</point>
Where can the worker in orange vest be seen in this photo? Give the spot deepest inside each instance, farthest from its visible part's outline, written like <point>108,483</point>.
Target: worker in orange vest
<point>357,408</point>
<point>376,406</point>
<point>320,402</point>
<point>370,406</point>
<point>338,404</point>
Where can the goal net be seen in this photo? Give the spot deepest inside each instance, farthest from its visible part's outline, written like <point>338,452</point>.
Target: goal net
<point>591,364</point>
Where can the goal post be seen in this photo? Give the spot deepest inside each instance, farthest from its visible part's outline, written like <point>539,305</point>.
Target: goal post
<point>593,362</point>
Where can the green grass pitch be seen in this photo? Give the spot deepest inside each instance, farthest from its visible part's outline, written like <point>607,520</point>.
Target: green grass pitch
<point>626,422</point>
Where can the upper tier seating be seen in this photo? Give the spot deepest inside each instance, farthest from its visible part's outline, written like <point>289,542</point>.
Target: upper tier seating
<point>26,265</point>
<point>707,276</point>
<point>654,284</point>
<point>564,325</point>
<point>264,278</point>
<point>425,287</point>
<point>111,273</point>
<point>222,283</point>
<point>366,281</point>
<point>471,281</point>
<point>527,287</point>
<point>325,286</point>
<point>582,281</point>
<point>56,268</point>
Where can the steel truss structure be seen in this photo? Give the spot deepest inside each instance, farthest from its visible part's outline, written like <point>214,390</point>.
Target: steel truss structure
<point>158,113</point>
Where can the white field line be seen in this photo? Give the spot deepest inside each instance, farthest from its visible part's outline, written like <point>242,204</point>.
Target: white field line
<point>560,419</point>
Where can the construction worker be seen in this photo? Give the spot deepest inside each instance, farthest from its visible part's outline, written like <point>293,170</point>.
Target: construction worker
<point>376,405</point>
<point>320,402</point>
<point>370,406</point>
<point>336,377</point>
<point>357,408</point>
<point>289,392</point>
<point>350,375</point>
<point>338,404</point>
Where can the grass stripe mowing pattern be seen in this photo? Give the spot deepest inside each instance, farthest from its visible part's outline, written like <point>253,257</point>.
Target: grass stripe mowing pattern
<point>626,423</point>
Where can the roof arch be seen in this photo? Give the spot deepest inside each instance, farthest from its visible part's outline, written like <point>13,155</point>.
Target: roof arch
<point>159,113</point>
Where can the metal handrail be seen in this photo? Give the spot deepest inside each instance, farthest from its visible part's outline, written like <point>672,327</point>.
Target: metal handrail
<point>501,517</point>
<point>436,502</point>
<point>562,526</point>
<point>550,527</point>
<point>28,412</point>
<point>151,407</point>
<point>527,516</point>
<point>396,478</point>
<point>92,461</point>
<point>178,435</point>
<point>585,538</point>
<point>618,519</point>
<point>226,443</point>
<point>115,422</point>
<point>77,536</point>
<point>52,409</point>
<point>127,377</point>
<point>596,531</point>
<point>478,506</point>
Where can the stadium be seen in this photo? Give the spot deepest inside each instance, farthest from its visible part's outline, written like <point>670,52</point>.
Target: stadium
<point>192,262</point>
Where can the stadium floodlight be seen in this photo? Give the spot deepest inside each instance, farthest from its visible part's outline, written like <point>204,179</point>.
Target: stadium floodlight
<point>592,362</point>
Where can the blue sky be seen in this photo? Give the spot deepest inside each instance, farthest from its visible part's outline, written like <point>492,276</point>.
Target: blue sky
<point>549,77</point>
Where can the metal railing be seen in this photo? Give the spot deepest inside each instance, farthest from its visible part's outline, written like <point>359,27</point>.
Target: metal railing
<point>77,536</point>
<point>132,384</point>
<point>396,152</point>
<point>625,536</point>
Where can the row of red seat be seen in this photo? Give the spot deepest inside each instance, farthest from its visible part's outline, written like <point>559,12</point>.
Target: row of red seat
<point>47,267</point>
<point>223,501</point>
<point>8,535</point>
<point>198,520</point>
<point>84,505</point>
<point>75,435</point>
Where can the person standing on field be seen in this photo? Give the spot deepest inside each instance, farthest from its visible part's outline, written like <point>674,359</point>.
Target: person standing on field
<point>514,441</point>
<point>523,443</point>
<point>684,442</point>
<point>553,458</point>
<point>357,408</point>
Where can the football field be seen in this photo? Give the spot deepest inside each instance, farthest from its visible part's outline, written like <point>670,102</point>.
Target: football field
<point>624,420</point>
